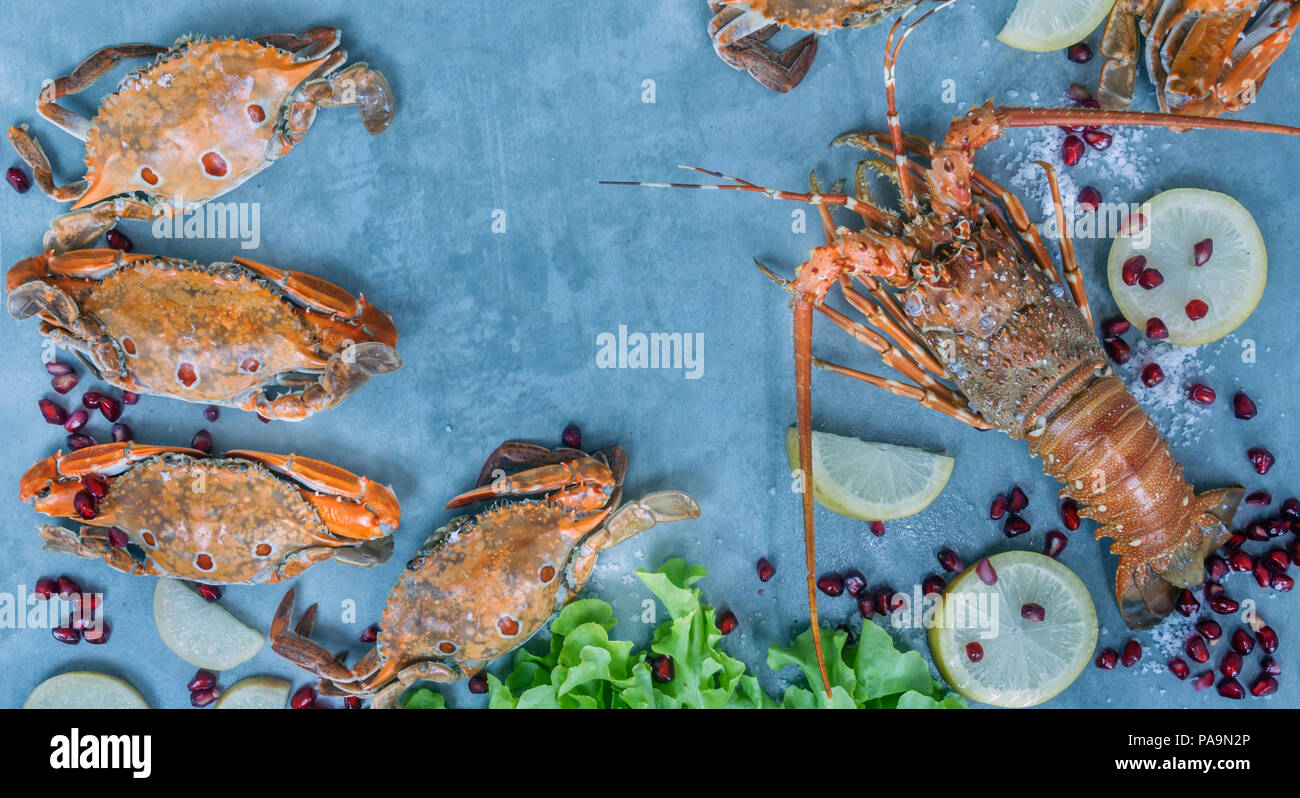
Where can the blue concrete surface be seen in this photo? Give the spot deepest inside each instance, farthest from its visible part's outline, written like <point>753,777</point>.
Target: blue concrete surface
<point>522,111</point>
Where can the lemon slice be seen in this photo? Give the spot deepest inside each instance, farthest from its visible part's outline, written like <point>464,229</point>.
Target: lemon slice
<point>84,690</point>
<point>1230,283</point>
<point>1043,25</point>
<point>199,631</point>
<point>871,481</point>
<point>255,692</point>
<point>1024,662</point>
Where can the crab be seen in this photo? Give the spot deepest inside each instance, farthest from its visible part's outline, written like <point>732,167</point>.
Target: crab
<point>740,29</point>
<point>240,518</point>
<point>207,115</point>
<point>282,344</point>
<point>484,583</point>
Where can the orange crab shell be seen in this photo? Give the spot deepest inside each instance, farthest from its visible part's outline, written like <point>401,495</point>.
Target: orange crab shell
<point>193,125</point>
<point>824,15</point>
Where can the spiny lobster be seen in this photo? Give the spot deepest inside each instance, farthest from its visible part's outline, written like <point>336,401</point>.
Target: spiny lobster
<point>960,291</point>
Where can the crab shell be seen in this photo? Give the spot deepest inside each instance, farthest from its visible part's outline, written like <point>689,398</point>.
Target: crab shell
<point>825,15</point>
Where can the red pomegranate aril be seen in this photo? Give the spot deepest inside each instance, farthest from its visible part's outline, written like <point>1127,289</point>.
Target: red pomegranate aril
<point>303,697</point>
<point>885,603</point>
<point>211,412</point>
<point>1097,139</point>
<point>68,587</point>
<point>1113,328</point>
<point>950,561</point>
<point>765,569</point>
<point>998,507</point>
<point>1132,654</point>
<point>1240,561</point>
<point>1231,664</point>
<point>203,680</point>
<point>1213,590</point>
<point>661,669</point>
<point>1118,350</point>
<point>110,407</point>
<point>572,436</point>
<point>85,505</point>
<point>203,697</point>
<point>1077,93</point>
<point>1276,527</point>
<point>1033,612</point>
<point>1196,649</point>
<point>1202,250</point>
<point>118,240</point>
<point>1291,508</point>
<point>867,605</point>
<point>1151,278</point>
<point>66,634</point>
<point>1016,499</point>
<point>1186,604</point>
<point>1270,666</point>
<point>854,582</point>
<point>1178,667</point>
<point>727,622</point>
<point>933,585</point>
<point>1223,605</point>
<point>57,368</point>
<point>1263,685</point>
<point>371,634</point>
<point>1244,408</point>
<point>1209,629</point>
<point>95,485</point>
<point>1203,681</point>
<point>878,528</point>
<point>130,397</point>
<point>1216,568</point>
<point>831,584</point>
<point>1278,558</point>
<point>1054,543</point>
<point>974,651</point>
<point>1231,688</point>
<point>1261,459</point>
<point>1260,498</point>
<point>1281,583</point>
<point>46,588</point>
<point>478,683</point>
<point>97,635</point>
<point>63,383</point>
<point>1015,526</point>
<point>1267,637</point>
<point>117,538</point>
<point>1107,658</point>
<point>18,179</point>
<point>1070,514</point>
<point>1132,269</point>
<point>1072,149</point>
<point>1079,53</point>
<point>1196,309</point>
<point>1201,394</point>
<point>352,702</point>
<point>985,571</point>
<point>53,414</point>
<point>1089,198</point>
<point>1234,541</point>
<point>122,433</point>
<point>90,400</point>
<point>202,441</point>
<point>1156,329</point>
<point>1152,375</point>
<point>76,419</point>
<point>209,592</point>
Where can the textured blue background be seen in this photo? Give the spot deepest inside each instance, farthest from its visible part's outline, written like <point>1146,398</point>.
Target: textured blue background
<point>502,107</point>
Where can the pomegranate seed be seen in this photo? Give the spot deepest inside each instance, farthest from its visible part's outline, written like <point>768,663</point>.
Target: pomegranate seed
<point>1270,666</point>
<point>90,400</point>
<point>1262,459</point>
<point>765,569</point>
<point>371,634</point>
<point>66,634</point>
<point>1267,637</point>
<point>1214,591</point>
<point>1244,408</point>
<point>1097,139</point>
<point>303,698</point>
<point>1201,394</point>
<point>130,397</point>
<point>727,622</point>
<point>1231,688</point>
<point>98,635</point>
<point>478,683</point>
<point>1015,526</point>
<point>1196,309</point>
<point>68,587</point>
<point>1077,93</point>
<point>933,585</point>
<point>1239,560</point>
<point>1234,541</point>
<point>76,419</point>
<point>85,505</point>
<point>1196,649</point>
<point>118,240</point>
<point>1281,583</point>
<point>974,651</point>
<point>1156,329</point>
<point>985,571</point>
<point>1186,603</point>
<point>352,702</point>
<point>46,587</point>
<point>57,368</point>
<point>662,670</point>
<point>1260,498</point>
<point>867,605</point>
<point>203,680</point>
<point>202,698</point>
<point>54,414</point>
<point>63,383</point>
<point>950,561</point>
<point>122,433</point>
<point>831,584</point>
<point>211,412</point>
<point>1089,198</point>
<point>1152,375</point>
<point>95,485</point>
<point>1119,351</point>
<point>885,601</point>
<point>878,528</point>
<point>18,179</point>
<point>1113,328</point>
<point>1278,558</point>
<point>998,508</point>
<point>1017,499</point>
<point>1132,654</point>
<point>854,582</point>
<point>78,440</point>
<point>1072,149</point>
<point>1054,543</point>
<point>1277,526</point>
<point>1079,53</point>
<point>1291,508</point>
<point>1178,667</point>
<point>117,538</point>
<point>110,407</point>
<point>1224,605</point>
<point>572,436</point>
<point>1263,685</point>
<point>1202,250</point>
<point>1133,268</point>
<point>202,441</point>
<point>1033,612</point>
<point>1216,568</point>
<point>1151,278</point>
<point>1107,659</point>
<point>1231,664</point>
<point>209,592</point>
<point>1203,681</point>
<point>1070,514</point>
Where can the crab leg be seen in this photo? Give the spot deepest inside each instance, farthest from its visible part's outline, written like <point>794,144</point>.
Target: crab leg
<point>357,85</point>
<point>309,45</point>
<point>299,649</point>
<point>575,480</point>
<point>93,543</point>
<point>86,73</point>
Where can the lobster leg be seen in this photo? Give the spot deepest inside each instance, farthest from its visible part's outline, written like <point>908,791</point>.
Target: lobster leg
<point>924,397</point>
<point>1069,264</point>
